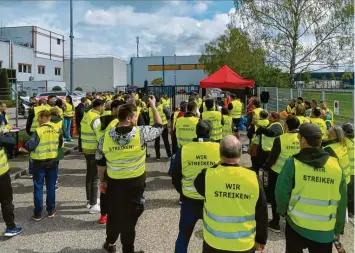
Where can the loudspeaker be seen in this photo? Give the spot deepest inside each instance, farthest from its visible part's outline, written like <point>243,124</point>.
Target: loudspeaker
<point>247,91</point>
<point>264,97</point>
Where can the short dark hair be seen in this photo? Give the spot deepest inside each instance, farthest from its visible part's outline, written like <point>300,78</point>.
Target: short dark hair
<point>126,110</point>
<point>263,114</point>
<point>316,112</point>
<point>300,98</point>
<point>183,106</point>
<point>83,99</point>
<point>97,103</point>
<point>59,102</point>
<point>257,103</point>
<point>203,129</point>
<point>314,101</point>
<point>116,103</point>
<point>209,103</point>
<point>307,103</point>
<point>50,96</point>
<point>233,96</point>
<point>275,115</point>
<point>292,122</point>
<point>191,106</point>
<point>225,110</point>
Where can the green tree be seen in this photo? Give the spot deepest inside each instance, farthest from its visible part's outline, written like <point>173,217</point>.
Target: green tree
<point>56,88</point>
<point>157,81</point>
<point>300,35</point>
<point>4,85</point>
<point>306,77</point>
<point>347,76</point>
<point>332,76</point>
<point>79,89</point>
<point>235,49</point>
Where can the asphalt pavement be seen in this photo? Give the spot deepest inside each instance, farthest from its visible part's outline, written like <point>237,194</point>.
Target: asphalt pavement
<point>74,230</point>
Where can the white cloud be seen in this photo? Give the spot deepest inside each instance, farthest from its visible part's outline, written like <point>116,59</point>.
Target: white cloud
<point>201,7</point>
<point>46,5</point>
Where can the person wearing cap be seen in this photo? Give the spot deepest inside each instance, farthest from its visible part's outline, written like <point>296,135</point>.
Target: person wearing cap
<point>236,109</point>
<point>284,146</point>
<point>311,194</point>
<point>188,163</point>
<point>235,207</point>
<point>348,129</point>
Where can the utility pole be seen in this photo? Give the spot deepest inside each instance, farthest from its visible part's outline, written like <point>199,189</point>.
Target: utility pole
<point>71,49</point>
<point>137,40</point>
<point>174,70</point>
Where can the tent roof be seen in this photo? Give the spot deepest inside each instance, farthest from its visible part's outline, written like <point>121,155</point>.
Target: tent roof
<point>225,78</point>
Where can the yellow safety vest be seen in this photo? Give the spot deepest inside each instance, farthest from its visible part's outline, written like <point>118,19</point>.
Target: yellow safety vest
<point>323,127</point>
<point>256,113</point>
<point>8,126</point>
<point>4,165</point>
<point>100,133</point>
<point>160,109</point>
<point>205,108</point>
<point>303,120</point>
<point>227,127</point>
<point>196,156</point>
<point>267,142</point>
<point>105,113</point>
<point>87,133</point>
<point>185,130</point>
<point>165,102</point>
<point>136,96</point>
<point>69,110</point>
<point>48,142</point>
<point>229,209</point>
<point>58,125</point>
<point>127,161</point>
<point>199,102</point>
<point>175,118</point>
<point>342,153</point>
<point>261,122</point>
<point>315,197</point>
<point>350,147</point>
<point>37,110</point>
<point>290,145</point>
<point>290,110</point>
<point>236,112</point>
<point>328,111</point>
<point>89,101</point>
<point>215,118</point>
<point>60,111</point>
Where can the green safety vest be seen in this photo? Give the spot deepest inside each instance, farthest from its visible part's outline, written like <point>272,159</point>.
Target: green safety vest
<point>47,147</point>
<point>323,127</point>
<point>215,118</point>
<point>350,147</point>
<point>37,110</point>
<point>227,127</point>
<point>160,109</point>
<point>186,130</point>
<point>4,165</point>
<point>100,133</point>
<point>342,153</point>
<point>87,133</point>
<point>236,112</point>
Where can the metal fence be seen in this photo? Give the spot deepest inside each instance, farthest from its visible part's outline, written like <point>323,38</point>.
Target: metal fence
<point>280,98</point>
<point>9,97</point>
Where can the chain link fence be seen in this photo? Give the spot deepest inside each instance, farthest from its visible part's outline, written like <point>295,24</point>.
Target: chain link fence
<point>280,98</point>
<point>9,97</point>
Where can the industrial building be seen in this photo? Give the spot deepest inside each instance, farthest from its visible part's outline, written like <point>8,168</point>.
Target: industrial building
<point>96,74</point>
<point>174,70</point>
<point>35,54</point>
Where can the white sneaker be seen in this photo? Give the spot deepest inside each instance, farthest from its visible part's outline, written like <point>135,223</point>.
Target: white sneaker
<point>98,201</point>
<point>94,209</point>
<point>88,205</point>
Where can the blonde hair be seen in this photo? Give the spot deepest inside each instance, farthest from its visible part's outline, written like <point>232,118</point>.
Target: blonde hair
<point>339,133</point>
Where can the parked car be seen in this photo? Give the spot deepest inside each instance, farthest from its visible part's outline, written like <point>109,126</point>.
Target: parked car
<point>77,95</point>
<point>24,106</point>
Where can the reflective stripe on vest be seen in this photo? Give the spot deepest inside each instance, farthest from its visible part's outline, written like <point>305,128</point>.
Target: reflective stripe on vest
<point>87,134</point>
<point>127,161</point>
<point>350,147</point>
<point>290,145</point>
<point>229,191</point>
<point>196,156</point>
<point>186,130</point>
<point>267,142</point>
<point>323,127</point>
<point>227,127</point>
<point>315,197</point>
<point>4,165</point>
<point>160,109</point>
<point>342,153</point>
<point>47,147</point>
<point>236,112</point>
<point>215,118</point>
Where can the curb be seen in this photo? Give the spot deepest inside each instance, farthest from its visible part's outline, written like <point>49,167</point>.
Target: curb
<point>23,172</point>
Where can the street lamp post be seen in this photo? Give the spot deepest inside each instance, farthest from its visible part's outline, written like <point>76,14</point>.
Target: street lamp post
<point>137,40</point>
<point>71,49</point>
<point>174,69</point>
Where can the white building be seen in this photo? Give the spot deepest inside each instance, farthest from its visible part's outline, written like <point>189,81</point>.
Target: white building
<point>174,70</point>
<point>100,74</point>
<point>35,53</point>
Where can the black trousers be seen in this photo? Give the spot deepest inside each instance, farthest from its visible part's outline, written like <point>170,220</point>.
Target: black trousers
<point>165,136</point>
<point>351,195</point>
<point>295,243</point>
<point>103,203</point>
<point>236,123</point>
<point>92,179</point>
<point>271,191</point>
<point>208,249</point>
<point>79,141</point>
<point>7,208</point>
<point>174,146</point>
<point>123,213</point>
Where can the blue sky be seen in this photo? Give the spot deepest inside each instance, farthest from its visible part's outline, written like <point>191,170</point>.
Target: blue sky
<point>110,27</point>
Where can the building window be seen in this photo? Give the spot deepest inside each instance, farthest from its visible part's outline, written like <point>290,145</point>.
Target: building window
<point>24,68</point>
<point>41,70</point>
<point>58,41</point>
<point>57,71</point>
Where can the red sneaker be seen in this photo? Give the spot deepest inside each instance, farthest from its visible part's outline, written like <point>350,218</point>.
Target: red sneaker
<point>103,219</point>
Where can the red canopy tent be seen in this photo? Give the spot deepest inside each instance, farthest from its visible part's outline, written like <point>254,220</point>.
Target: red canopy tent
<point>226,78</point>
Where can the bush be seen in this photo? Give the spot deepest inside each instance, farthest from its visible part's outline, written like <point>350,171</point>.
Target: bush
<point>4,85</point>
<point>79,89</point>
<point>57,88</point>
<point>9,103</point>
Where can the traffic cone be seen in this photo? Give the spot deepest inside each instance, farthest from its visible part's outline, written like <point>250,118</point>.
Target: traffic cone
<point>73,130</point>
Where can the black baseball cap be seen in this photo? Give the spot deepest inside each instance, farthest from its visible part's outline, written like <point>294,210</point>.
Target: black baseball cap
<point>310,132</point>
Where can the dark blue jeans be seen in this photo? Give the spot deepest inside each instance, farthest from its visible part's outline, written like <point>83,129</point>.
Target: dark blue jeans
<point>66,128</point>
<point>30,168</point>
<point>50,177</point>
<point>190,213</point>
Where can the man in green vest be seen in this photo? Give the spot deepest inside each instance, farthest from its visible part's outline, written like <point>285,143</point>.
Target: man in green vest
<point>165,116</point>
<point>216,119</point>
<point>235,208</point>
<point>185,127</point>
<point>6,196</point>
<point>284,146</point>
<point>236,109</point>
<point>187,164</point>
<point>311,193</point>
<point>121,153</point>
<point>165,100</point>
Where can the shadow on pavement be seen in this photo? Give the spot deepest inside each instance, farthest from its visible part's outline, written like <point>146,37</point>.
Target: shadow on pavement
<point>159,184</point>
<point>156,174</point>
<point>71,171</point>
<point>152,204</point>
<point>65,250</point>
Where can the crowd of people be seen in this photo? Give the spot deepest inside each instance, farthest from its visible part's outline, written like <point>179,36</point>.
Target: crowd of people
<point>302,164</point>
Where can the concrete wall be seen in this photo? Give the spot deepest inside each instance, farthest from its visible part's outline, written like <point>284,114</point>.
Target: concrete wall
<point>91,72</point>
<point>183,77</point>
<point>24,55</point>
<point>46,44</point>
<point>119,72</point>
<point>5,54</point>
